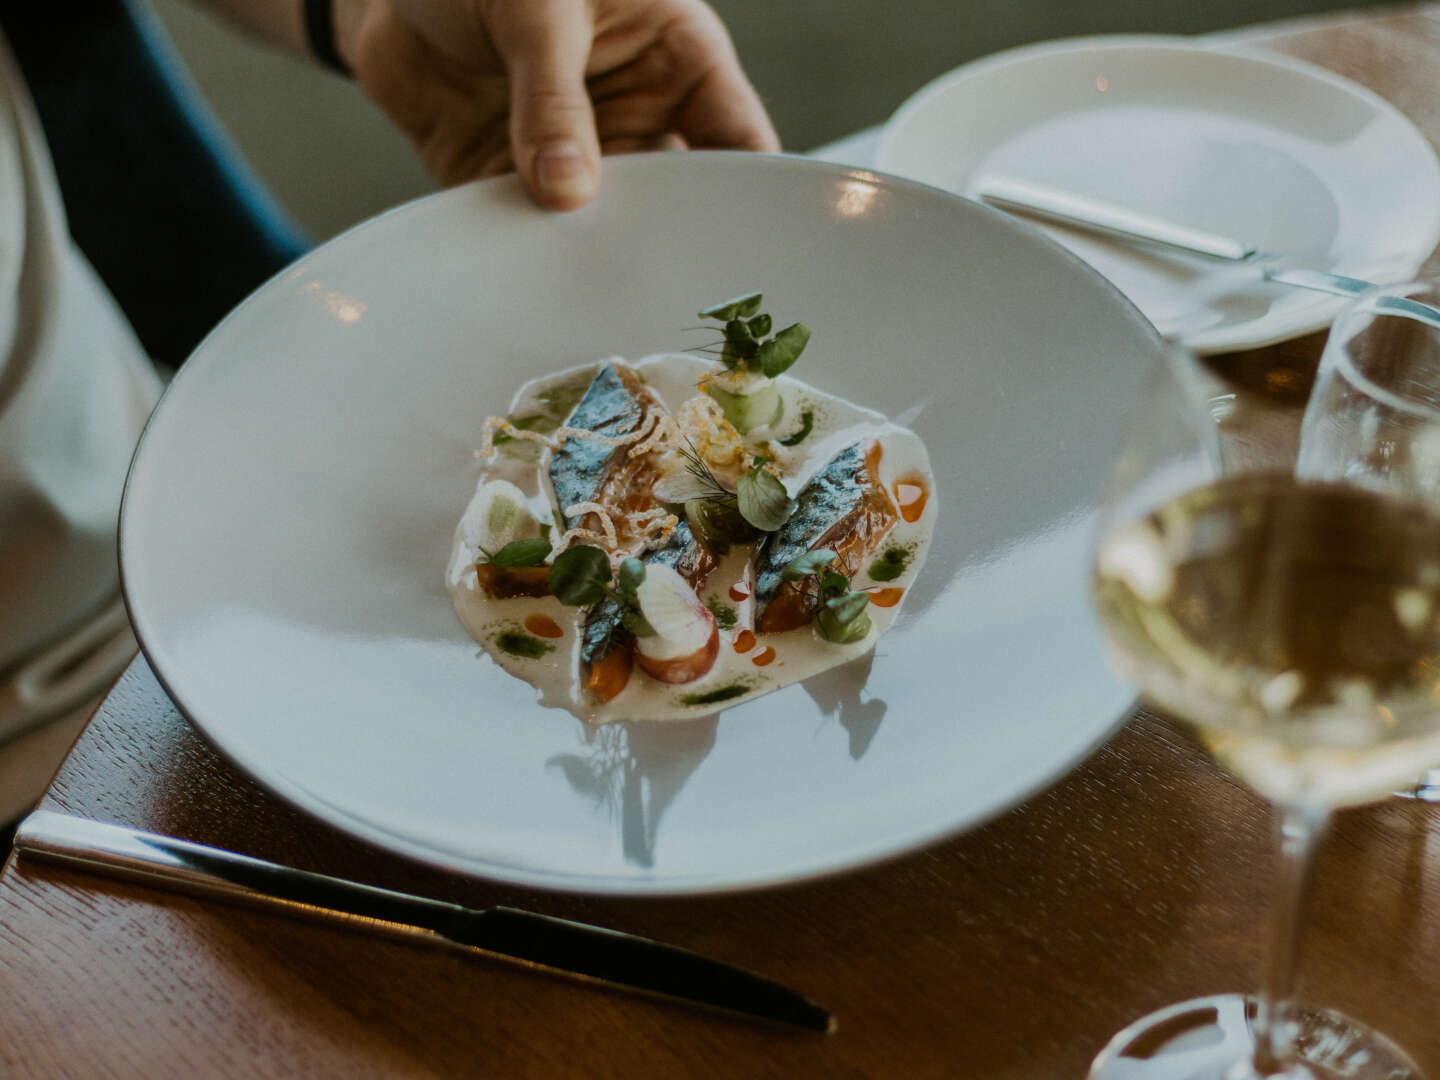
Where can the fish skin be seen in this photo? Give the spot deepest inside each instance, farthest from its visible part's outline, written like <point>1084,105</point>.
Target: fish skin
<point>579,468</point>
<point>843,507</point>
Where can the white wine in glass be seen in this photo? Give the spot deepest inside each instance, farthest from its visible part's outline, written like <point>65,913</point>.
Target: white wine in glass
<point>1370,419</point>
<point>1294,627</point>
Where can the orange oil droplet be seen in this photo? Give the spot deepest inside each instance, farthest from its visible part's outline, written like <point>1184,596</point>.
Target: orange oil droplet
<point>886,597</point>
<point>543,626</point>
<point>740,591</point>
<point>911,496</point>
<point>763,657</point>
<point>744,641</point>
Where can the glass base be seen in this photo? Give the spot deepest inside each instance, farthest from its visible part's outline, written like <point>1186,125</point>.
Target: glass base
<point>1210,1039</point>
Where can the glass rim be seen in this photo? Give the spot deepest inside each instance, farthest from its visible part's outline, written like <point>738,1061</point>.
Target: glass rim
<point>1338,357</point>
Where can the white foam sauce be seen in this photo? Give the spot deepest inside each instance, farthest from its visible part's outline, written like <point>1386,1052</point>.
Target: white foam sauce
<point>798,653</point>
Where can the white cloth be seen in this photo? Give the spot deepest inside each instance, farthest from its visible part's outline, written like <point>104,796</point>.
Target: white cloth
<point>75,390</point>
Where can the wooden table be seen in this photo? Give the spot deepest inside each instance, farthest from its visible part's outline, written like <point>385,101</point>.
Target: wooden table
<point>1013,951</point>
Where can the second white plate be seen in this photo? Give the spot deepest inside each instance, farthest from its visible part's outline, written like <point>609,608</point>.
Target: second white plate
<point>1281,154</point>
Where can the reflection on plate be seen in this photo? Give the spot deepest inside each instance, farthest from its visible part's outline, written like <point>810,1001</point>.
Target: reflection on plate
<point>290,510</point>
<point>1280,154</point>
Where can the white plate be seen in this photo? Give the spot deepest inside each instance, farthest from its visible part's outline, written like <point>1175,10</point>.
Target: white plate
<point>289,513</point>
<point>1271,151</point>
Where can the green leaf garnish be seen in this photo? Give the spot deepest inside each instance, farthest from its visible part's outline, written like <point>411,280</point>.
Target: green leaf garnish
<point>739,307</point>
<point>812,562</point>
<point>632,620</point>
<point>763,501</point>
<point>846,608</point>
<point>528,552</point>
<point>579,575</point>
<point>759,326</point>
<point>777,354</point>
<point>842,632</point>
<point>841,617</point>
<point>807,422</point>
<point>632,575</point>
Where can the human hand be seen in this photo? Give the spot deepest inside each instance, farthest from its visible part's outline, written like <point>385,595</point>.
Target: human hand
<point>545,86</point>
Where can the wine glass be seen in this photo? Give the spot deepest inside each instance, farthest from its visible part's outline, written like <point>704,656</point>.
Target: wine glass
<point>1369,418</point>
<point>1290,623</point>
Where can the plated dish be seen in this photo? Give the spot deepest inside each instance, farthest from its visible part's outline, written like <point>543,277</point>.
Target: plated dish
<point>1270,151</point>
<point>293,504</point>
<point>652,541</point>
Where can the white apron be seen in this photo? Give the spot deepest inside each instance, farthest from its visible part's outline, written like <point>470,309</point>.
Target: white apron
<point>75,389</point>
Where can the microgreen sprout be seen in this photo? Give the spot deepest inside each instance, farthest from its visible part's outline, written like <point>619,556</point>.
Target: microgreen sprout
<point>581,576</point>
<point>721,517</point>
<point>747,344</point>
<point>841,616</point>
<point>528,552</point>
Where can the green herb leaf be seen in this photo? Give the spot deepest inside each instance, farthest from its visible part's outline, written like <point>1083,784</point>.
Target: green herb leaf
<point>529,552</point>
<point>843,619</point>
<point>740,307</point>
<point>846,608</point>
<point>812,562</point>
<point>759,326</point>
<point>632,574</point>
<point>579,575</point>
<point>833,583</point>
<point>632,620</point>
<point>777,354</point>
<point>842,631</point>
<point>737,331</point>
<point>763,501</point>
<point>807,422</point>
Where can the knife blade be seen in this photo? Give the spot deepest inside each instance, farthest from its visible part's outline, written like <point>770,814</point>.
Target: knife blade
<point>561,946</point>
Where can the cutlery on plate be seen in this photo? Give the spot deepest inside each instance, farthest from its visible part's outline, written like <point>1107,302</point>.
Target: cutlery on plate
<point>575,949</point>
<point>1093,215</point>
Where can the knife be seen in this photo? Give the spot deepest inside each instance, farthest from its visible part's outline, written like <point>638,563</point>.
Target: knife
<point>1093,215</point>
<point>574,949</point>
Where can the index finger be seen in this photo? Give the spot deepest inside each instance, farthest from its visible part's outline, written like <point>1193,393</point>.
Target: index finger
<point>724,111</point>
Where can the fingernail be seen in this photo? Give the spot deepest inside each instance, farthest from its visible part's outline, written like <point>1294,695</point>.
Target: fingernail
<point>561,172</point>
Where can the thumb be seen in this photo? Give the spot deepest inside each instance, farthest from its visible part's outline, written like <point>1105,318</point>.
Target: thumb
<point>546,45</point>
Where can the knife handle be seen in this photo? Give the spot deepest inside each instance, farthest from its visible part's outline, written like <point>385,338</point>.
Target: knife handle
<point>199,870</point>
<point>561,946</point>
<point>1067,208</point>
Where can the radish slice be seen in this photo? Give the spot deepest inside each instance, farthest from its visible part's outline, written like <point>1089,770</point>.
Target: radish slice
<point>686,640</point>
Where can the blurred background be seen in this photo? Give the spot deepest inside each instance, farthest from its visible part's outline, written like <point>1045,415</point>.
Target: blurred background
<point>826,68</point>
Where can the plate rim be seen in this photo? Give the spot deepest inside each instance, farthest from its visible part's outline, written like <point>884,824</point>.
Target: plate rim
<point>572,882</point>
<point>1242,49</point>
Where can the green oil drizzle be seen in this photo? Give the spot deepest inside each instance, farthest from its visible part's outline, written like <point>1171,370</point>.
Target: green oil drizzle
<point>891,564</point>
<point>725,617</point>
<point>712,697</point>
<point>523,645</point>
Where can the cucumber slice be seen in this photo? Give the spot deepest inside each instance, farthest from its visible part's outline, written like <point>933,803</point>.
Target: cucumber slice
<point>749,408</point>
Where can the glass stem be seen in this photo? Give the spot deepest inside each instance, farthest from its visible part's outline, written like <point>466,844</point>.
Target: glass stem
<point>1300,827</point>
